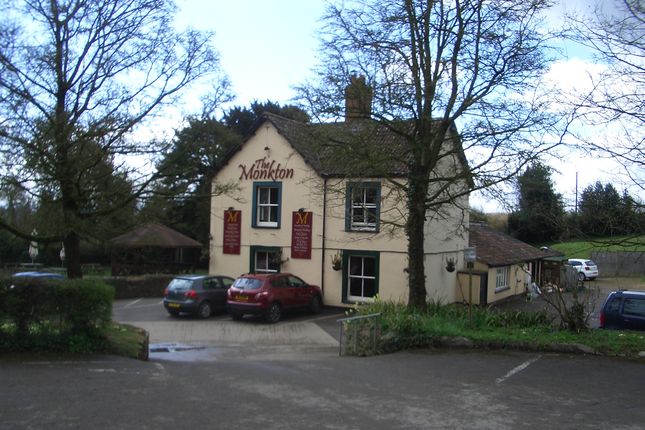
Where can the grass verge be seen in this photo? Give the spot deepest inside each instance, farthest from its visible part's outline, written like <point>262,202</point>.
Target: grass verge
<point>127,341</point>
<point>116,339</point>
<point>401,328</point>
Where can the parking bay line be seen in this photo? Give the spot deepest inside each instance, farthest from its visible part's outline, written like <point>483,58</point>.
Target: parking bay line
<point>517,369</point>
<point>132,303</point>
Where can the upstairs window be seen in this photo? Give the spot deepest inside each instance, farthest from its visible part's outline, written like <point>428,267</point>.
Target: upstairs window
<point>363,204</point>
<point>267,204</point>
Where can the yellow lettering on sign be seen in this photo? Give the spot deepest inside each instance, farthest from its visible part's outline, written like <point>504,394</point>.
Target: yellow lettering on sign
<point>301,218</point>
<point>231,216</point>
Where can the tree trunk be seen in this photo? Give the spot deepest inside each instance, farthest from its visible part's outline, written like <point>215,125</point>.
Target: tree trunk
<point>72,240</point>
<point>73,255</point>
<point>414,231</point>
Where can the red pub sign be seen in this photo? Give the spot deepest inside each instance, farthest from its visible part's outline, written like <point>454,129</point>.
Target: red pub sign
<point>301,235</point>
<point>232,232</point>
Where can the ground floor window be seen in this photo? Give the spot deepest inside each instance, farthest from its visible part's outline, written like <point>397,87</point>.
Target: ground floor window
<point>502,278</point>
<point>265,259</point>
<point>360,276</point>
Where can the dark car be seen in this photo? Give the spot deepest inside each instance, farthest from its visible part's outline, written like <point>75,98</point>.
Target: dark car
<point>270,294</point>
<point>624,310</point>
<point>199,295</point>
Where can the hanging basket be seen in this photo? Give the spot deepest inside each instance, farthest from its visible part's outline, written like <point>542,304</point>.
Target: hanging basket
<point>450,265</point>
<point>336,261</point>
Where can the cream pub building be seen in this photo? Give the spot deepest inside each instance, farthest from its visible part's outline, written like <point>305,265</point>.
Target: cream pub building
<point>291,208</point>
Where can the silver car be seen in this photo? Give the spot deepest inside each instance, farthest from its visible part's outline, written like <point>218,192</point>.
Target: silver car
<point>587,269</point>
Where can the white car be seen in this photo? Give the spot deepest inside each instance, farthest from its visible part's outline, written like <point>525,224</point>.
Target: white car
<point>587,269</point>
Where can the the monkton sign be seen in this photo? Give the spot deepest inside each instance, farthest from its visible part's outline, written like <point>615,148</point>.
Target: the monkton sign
<point>263,169</point>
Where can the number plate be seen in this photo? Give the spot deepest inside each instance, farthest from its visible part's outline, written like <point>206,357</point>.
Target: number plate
<point>242,299</point>
<point>173,305</point>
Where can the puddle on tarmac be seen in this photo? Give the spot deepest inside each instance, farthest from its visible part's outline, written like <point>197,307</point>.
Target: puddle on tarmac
<point>182,352</point>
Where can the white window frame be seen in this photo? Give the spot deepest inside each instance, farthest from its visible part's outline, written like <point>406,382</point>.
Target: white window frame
<point>362,276</point>
<point>265,207</point>
<point>502,278</point>
<point>360,190</point>
<point>265,260</point>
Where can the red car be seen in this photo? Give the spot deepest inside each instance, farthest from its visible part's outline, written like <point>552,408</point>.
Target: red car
<point>270,294</point>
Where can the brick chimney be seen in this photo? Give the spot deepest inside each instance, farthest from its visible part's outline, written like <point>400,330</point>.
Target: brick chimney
<point>358,99</point>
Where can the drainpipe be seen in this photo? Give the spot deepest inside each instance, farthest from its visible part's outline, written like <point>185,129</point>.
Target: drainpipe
<point>324,224</point>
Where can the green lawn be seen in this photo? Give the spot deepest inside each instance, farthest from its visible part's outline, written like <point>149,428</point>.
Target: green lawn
<point>584,248</point>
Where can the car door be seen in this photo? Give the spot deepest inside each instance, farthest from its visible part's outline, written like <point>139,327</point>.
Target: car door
<point>301,291</point>
<point>633,314</point>
<point>209,288</point>
<point>282,292</point>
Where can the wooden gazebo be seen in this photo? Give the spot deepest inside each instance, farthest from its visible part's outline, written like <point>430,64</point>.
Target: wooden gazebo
<point>153,248</point>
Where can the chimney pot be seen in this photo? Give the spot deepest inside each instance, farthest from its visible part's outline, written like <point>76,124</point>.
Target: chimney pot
<point>358,99</point>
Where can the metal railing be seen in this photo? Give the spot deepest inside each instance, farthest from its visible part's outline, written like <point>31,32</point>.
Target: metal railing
<point>359,335</point>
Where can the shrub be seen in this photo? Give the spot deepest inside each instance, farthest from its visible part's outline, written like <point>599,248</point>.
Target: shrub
<point>71,315</point>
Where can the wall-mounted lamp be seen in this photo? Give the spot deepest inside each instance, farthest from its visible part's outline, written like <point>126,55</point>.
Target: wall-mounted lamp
<point>231,208</point>
<point>267,150</point>
<point>301,210</point>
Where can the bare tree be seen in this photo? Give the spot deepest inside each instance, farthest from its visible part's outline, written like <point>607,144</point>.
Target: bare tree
<point>614,107</point>
<point>434,65</point>
<point>77,78</point>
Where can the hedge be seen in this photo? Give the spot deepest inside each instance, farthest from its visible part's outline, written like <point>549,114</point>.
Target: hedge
<point>128,287</point>
<point>44,314</point>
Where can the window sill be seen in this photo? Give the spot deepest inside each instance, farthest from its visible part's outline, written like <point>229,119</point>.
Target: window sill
<point>363,230</point>
<point>502,289</point>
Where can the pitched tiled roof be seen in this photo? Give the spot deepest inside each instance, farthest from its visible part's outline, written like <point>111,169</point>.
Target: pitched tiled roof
<point>324,145</point>
<point>154,235</point>
<point>327,147</point>
<point>496,248</point>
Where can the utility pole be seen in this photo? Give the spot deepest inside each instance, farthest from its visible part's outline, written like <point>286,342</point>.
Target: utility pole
<point>576,192</point>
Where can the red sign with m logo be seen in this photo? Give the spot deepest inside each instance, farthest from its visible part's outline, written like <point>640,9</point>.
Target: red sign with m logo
<point>301,234</point>
<point>232,232</point>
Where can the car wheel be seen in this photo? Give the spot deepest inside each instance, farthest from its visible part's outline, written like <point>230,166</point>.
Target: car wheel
<point>173,313</point>
<point>315,305</point>
<point>204,310</point>
<point>581,276</point>
<point>237,316</point>
<point>274,313</point>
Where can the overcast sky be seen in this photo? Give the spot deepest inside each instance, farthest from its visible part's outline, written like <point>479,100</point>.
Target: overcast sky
<point>268,46</point>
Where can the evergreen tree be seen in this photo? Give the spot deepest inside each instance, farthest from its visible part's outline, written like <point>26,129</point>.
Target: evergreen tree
<point>539,218</point>
<point>240,119</point>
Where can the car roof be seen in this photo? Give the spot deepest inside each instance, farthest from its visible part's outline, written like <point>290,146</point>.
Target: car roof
<point>264,275</point>
<point>196,277</point>
<point>628,293</point>
<point>38,275</point>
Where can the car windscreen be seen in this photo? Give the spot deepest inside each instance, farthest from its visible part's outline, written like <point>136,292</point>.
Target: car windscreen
<point>247,284</point>
<point>180,284</point>
<point>590,263</point>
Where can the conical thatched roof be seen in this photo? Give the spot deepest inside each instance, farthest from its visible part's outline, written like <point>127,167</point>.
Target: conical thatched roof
<point>154,235</point>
